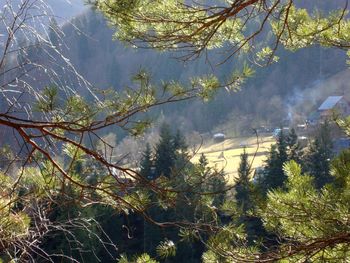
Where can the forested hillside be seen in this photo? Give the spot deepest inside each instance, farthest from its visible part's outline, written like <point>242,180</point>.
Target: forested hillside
<point>108,63</point>
<point>175,131</point>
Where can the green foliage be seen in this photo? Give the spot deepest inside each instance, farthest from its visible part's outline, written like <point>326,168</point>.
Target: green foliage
<point>228,245</point>
<point>195,27</point>
<point>194,194</point>
<point>79,111</point>
<point>170,152</point>
<point>138,200</point>
<point>207,86</point>
<point>319,156</point>
<point>303,215</point>
<point>164,152</point>
<point>344,124</point>
<point>73,152</point>
<point>166,249</point>
<point>242,187</point>
<point>49,100</point>
<point>305,29</point>
<point>21,197</point>
<point>244,168</point>
<point>188,235</point>
<point>294,149</point>
<point>273,173</point>
<point>159,11</point>
<point>286,148</point>
<point>146,163</point>
<point>14,224</point>
<point>144,258</point>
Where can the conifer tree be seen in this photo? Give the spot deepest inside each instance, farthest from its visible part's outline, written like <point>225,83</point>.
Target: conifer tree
<point>180,151</point>
<point>179,141</point>
<point>245,199</point>
<point>274,176</point>
<point>203,161</point>
<point>165,152</point>
<point>146,163</point>
<point>282,145</point>
<point>294,148</point>
<point>319,157</point>
<point>242,183</point>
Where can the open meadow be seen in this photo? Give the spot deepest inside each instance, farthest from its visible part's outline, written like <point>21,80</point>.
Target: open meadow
<point>226,154</point>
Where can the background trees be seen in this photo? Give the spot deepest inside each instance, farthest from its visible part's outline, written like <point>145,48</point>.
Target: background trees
<point>319,156</point>
<point>243,184</point>
<point>289,212</point>
<point>195,27</point>
<point>52,133</point>
<point>55,129</point>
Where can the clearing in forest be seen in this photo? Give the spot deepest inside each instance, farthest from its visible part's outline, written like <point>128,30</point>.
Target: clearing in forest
<point>226,154</point>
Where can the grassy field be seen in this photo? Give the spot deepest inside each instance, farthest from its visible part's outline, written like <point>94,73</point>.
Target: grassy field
<point>226,155</point>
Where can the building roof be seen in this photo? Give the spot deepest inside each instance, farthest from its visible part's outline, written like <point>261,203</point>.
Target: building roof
<point>330,102</point>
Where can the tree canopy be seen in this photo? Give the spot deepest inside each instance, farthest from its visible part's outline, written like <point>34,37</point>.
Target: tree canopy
<point>62,164</point>
<point>256,26</point>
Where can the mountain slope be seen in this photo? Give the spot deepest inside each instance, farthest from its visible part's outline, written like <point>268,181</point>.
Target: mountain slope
<point>107,63</point>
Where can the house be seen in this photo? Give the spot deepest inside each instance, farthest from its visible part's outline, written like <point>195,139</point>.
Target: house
<point>333,104</point>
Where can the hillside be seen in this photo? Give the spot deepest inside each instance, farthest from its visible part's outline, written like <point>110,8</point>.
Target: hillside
<point>107,63</point>
<point>99,164</point>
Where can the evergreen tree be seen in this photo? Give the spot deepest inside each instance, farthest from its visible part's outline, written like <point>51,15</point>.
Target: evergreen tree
<point>311,226</point>
<point>203,161</point>
<point>294,148</point>
<point>179,142</point>
<point>180,151</point>
<point>165,152</point>
<point>242,184</point>
<point>319,156</point>
<point>301,215</point>
<point>246,203</point>
<point>146,163</point>
<point>274,176</point>
<point>282,145</point>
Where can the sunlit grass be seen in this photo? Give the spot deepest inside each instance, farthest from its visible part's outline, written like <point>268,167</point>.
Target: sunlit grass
<point>226,155</point>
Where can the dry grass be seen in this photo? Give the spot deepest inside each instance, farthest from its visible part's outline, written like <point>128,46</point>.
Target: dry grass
<point>226,155</point>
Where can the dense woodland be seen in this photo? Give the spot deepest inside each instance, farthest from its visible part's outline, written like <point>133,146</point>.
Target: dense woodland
<point>98,115</point>
<point>275,87</point>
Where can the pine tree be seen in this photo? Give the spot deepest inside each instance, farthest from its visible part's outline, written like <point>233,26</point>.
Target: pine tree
<point>180,151</point>
<point>319,157</point>
<point>179,141</point>
<point>274,176</point>
<point>294,148</point>
<point>282,145</point>
<point>165,152</point>
<point>301,215</point>
<point>242,183</point>
<point>147,163</point>
<point>203,161</point>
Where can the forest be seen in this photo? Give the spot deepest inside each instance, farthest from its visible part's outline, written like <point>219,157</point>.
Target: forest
<point>111,112</point>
